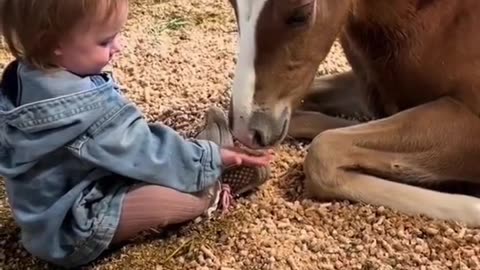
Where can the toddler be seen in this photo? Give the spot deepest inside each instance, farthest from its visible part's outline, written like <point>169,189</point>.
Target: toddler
<point>83,168</point>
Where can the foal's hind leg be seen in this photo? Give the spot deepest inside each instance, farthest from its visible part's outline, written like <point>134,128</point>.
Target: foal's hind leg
<point>374,162</point>
<point>329,96</point>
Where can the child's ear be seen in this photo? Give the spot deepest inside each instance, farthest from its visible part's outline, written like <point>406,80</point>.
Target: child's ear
<point>59,49</point>
<point>57,52</point>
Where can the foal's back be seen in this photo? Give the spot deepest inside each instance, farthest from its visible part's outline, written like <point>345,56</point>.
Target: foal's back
<point>408,52</point>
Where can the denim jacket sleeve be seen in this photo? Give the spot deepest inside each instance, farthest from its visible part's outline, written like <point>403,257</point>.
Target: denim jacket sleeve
<point>91,118</point>
<point>154,153</point>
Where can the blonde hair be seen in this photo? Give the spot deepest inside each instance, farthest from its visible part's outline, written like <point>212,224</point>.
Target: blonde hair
<point>32,29</point>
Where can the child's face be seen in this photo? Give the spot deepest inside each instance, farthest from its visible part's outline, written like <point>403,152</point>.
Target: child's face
<point>90,49</point>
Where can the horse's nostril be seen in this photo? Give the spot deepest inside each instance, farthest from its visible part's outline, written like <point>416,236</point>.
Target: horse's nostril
<point>259,138</point>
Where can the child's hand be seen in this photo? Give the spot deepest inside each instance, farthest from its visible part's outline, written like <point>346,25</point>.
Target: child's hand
<point>233,157</point>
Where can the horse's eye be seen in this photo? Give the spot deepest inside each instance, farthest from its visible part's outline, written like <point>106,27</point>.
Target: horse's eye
<point>297,20</point>
<point>300,16</point>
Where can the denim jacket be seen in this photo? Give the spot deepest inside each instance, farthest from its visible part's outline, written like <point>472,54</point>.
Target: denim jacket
<point>59,133</point>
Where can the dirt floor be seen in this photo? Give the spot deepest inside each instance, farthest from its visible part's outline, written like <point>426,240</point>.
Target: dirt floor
<point>178,61</point>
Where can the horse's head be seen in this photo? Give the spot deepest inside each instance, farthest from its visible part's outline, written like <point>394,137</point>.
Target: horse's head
<point>281,45</point>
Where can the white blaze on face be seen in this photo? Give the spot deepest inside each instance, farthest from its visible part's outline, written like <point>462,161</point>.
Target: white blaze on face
<point>244,79</point>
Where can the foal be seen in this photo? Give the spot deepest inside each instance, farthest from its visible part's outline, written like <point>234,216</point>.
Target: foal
<point>415,69</point>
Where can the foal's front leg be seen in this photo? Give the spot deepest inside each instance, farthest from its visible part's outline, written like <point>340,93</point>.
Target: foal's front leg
<point>375,162</point>
<point>337,94</point>
<point>308,124</point>
<point>329,96</point>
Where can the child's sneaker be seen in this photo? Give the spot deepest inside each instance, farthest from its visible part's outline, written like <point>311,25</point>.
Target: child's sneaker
<point>235,180</point>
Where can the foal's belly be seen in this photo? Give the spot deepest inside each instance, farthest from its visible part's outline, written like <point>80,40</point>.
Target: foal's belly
<point>389,93</point>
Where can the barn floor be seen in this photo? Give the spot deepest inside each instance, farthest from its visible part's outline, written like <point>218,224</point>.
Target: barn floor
<point>178,61</point>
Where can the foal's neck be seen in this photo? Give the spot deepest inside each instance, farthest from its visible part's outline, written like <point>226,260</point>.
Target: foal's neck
<point>389,13</point>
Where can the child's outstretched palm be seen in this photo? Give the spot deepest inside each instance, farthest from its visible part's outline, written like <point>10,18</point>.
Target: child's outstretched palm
<point>232,156</point>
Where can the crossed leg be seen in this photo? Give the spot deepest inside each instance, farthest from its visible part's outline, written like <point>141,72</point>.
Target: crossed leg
<point>174,207</point>
<point>383,161</point>
<point>330,96</point>
<point>152,206</point>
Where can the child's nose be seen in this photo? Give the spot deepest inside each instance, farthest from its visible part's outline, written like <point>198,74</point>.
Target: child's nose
<point>116,46</point>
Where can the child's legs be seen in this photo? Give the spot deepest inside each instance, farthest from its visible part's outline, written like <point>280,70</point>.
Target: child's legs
<point>156,206</point>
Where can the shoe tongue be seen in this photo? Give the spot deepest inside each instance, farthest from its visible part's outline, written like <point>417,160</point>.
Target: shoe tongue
<point>216,128</point>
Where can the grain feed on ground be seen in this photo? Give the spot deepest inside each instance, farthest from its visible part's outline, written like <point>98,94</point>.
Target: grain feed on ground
<point>178,61</point>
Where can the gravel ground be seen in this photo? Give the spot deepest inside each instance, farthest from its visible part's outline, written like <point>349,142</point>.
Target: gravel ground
<point>178,61</point>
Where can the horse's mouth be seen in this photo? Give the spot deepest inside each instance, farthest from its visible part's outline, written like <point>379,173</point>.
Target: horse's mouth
<point>284,132</point>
